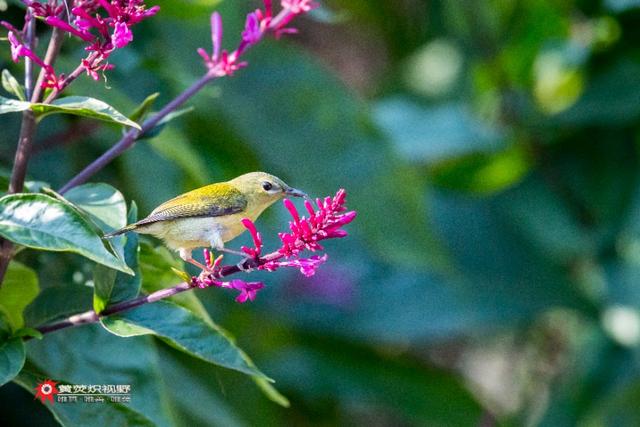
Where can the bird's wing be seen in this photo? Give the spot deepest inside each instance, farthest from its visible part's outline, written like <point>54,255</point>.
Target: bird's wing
<point>209,201</point>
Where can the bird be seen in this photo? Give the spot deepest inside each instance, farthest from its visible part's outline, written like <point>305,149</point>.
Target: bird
<point>210,216</point>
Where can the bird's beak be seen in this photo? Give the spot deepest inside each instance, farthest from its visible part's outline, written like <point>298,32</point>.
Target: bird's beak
<point>296,193</point>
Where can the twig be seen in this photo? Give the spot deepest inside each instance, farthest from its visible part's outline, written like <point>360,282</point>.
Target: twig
<point>134,134</point>
<point>93,317</point>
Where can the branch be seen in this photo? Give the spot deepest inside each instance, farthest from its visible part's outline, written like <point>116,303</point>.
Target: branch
<point>27,129</point>
<point>92,317</point>
<point>133,135</point>
<point>325,221</point>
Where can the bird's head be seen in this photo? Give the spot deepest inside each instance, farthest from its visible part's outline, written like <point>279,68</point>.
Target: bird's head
<point>262,189</point>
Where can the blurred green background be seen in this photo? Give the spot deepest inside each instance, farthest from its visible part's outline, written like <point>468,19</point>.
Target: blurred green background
<point>493,273</point>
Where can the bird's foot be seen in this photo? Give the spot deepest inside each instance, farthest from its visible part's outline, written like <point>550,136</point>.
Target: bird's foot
<point>242,267</point>
<point>231,251</point>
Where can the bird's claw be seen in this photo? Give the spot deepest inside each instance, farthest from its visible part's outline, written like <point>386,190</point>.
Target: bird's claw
<point>241,266</point>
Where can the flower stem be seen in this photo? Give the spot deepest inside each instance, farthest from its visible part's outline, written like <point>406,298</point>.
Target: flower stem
<point>93,317</point>
<point>134,134</point>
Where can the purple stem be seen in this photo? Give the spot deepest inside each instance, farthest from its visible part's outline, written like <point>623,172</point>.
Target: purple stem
<point>28,62</point>
<point>66,82</point>
<point>93,317</point>
<point>134,134</point>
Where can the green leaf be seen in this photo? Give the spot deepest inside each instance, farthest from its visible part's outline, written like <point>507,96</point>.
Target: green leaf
<point>12,352</point>
<point>11,85</point>
<point>19,288</point>
<point>12,106</point>
<point>70,415</point>
<point>104,279</point>
<point>12,357</point>
<point>111,287</point>
<point>155,131</point>
<point>42,222</point>
<point>85,107</point>
<point>102,202</point>
<point>182,372</point>
<point>28,332</point>
<point>141,111</point>
<point>184,331</point>
<point>56,302</point>
<point>159,270</point>
<point>157,267</point>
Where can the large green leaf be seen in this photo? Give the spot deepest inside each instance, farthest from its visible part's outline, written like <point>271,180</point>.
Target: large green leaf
<point>143,109</point>
<point>12,352</point>
<point>12,357</point>
<point>105,204</point>
<point>11,85</point>
<point>85,107</point>
<point>183,330</point>
<point>42,222</point>
<point>156,265</point>
<point>56,302</point>
<point>182,372</point>
<point>106,413</point>
<point>111,286</point>
<point>19,288</point>
<point>12,105</point>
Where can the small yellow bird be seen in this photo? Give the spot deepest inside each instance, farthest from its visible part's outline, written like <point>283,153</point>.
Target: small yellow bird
<point>210,216</point>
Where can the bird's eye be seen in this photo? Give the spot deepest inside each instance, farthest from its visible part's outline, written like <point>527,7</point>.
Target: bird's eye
<point>267,186</point>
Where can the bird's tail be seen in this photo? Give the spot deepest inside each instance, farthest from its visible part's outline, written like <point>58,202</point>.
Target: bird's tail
<point>121,231</point>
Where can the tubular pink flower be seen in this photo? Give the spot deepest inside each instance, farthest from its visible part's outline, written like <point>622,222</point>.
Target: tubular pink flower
<point>44,10</point>
<point>268,9</point>
<point>18,50</point>
<point>216,35</point>
<point>122,35</point>
<point>257,239</point>
<point>54,21</point>
<point>252,32</point>
<point>324,222</point>
<point>257,24</point>
<point>307,266</point>
<point>248,290</point>
<point>299,6</point>
<point>102,32</point>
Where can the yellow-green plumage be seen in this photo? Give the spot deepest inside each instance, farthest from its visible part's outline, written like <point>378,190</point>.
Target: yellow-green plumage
<point>210,216</point>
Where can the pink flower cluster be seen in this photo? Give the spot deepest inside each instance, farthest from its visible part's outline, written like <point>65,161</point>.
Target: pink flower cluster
<point>325,221</point>
<point>104,25</point>
<point>224,63</point>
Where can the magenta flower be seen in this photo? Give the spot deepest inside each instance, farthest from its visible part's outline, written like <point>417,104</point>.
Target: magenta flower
<point>325,221</point>
<point>50,8</point>
<point>103,32</point>
<point>17,48</point>
<point>307,266</point>
<point>298,6</point>
<point>122,35</point>
<point>257,239</point>
<point>258,23</point>
<point>248,290</point>
<point>252,31</point>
